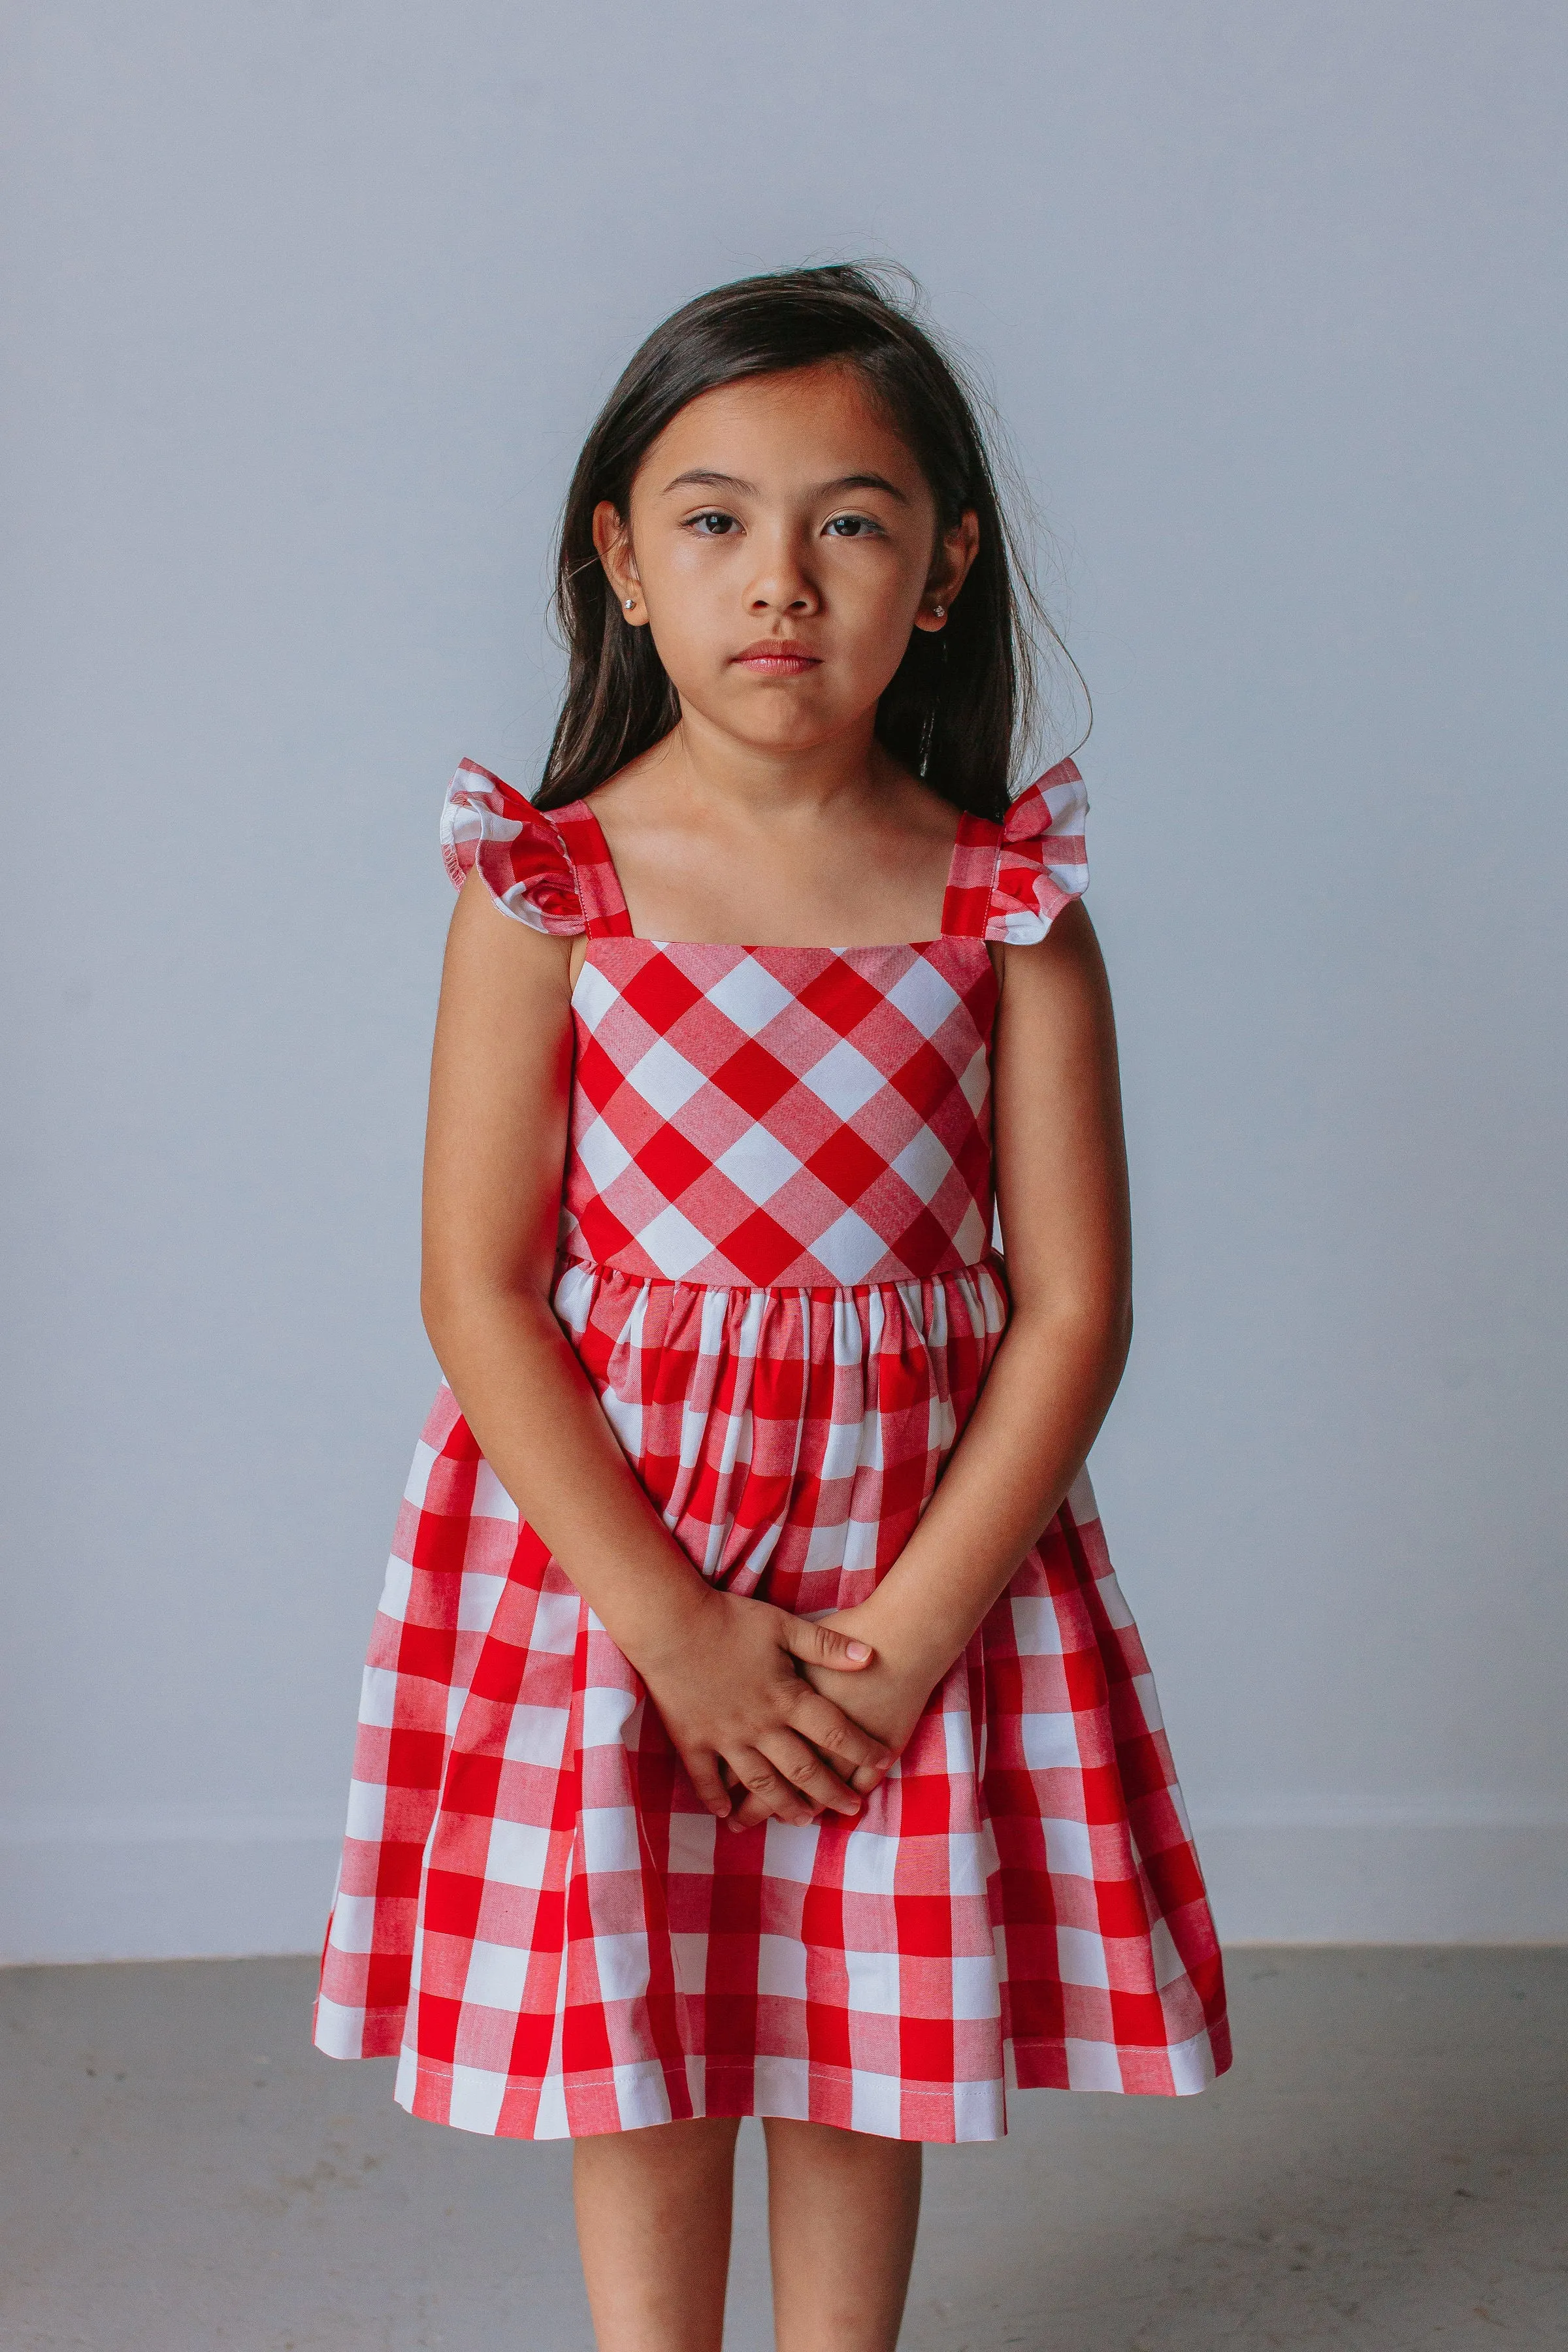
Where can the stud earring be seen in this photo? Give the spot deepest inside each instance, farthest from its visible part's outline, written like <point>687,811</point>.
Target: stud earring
<point>939,609</point>
<point>630,602</point>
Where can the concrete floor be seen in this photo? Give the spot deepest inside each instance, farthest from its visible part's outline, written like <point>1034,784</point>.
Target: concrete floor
<point>1385,2169</point>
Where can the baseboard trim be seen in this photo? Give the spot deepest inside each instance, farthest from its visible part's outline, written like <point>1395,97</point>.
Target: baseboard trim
<point>183,1885</point>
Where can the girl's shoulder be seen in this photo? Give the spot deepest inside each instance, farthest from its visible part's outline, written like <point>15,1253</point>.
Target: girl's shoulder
<point>1013,875</point>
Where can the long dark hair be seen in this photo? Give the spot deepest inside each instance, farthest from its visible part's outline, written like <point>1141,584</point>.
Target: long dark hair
<point>960,700</point>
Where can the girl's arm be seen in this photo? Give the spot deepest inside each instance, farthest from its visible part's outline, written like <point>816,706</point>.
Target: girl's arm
<point>1061,1187</point>
<point>721,1669</point>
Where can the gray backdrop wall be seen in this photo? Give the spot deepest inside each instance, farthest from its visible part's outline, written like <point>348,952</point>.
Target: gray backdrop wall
<point>308,307</point>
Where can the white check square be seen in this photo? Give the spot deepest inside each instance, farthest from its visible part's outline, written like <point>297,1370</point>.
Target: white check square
<point>1080,1957</point>
<point>924,1163</point>
<point>674,1244</point>
<point>516,1854</point>
<point>496,1976</point>
<point>849,1248</point>
<point>603,1154</point>
<point>844,1080</point>
<point>665,1078</point>
<point>923,997</point>
<point>757,1164</point>
<point>750,996</point>
<point>593,996</point>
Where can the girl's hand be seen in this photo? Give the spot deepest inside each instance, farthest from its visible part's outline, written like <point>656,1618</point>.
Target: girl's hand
<point>887,1696</point>
<point>731,1694</point>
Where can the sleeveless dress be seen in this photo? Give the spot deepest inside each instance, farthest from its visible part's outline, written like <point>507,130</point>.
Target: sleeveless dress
<point>776,1267</point>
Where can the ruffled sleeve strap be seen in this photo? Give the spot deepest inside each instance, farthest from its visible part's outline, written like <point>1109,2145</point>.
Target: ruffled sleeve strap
<point>522,857</point>
<point>1040,864</point>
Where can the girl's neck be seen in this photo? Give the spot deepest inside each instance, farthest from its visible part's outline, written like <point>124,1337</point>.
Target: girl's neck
<point>836,845</point>
<point>713,776</point>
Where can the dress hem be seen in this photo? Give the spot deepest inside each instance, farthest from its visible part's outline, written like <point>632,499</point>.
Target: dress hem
<point>432,2092</point>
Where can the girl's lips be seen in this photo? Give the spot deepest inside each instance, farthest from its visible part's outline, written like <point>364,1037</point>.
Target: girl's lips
<point>776,655</point>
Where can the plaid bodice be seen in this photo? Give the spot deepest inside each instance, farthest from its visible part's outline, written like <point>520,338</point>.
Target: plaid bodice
<point>772,1118</point>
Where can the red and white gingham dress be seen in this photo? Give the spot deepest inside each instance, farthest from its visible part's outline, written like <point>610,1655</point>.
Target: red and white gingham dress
<point>776,1270</point>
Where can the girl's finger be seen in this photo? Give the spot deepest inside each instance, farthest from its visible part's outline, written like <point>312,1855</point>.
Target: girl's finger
<point>749,1815</point>
<point>820,1645</point>
<point>703,1772</point>
<point>807,1772</point>
<point>776,1791</point>
<point>847,1747</point>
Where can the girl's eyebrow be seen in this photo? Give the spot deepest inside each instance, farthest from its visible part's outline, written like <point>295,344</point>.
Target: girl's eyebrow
<point>701,477</point>
<point>867,482</point>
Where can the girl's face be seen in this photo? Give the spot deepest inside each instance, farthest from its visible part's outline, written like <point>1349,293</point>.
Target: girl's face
<point>782,544</point>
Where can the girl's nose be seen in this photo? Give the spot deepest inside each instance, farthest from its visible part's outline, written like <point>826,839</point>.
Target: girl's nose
<point>782,584</point>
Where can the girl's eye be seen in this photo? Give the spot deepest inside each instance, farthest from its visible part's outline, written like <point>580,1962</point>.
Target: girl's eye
<point>853,527</point>
<point>713,526</point>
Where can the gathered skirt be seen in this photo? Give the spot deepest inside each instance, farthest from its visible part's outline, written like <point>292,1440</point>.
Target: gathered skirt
<point>537,1916</point>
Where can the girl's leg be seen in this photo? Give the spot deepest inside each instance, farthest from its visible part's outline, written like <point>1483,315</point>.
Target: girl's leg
<point>653,2222</point>
<point>842,2211</point>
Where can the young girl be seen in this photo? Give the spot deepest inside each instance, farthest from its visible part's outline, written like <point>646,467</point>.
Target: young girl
<point>752,1724</point>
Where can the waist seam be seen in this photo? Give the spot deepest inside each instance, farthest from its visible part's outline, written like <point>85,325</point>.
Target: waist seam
<point>991,1262</point>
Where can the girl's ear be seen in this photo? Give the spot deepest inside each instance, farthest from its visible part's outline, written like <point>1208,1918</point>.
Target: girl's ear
<point>955,553</point>
<point>614,543</point>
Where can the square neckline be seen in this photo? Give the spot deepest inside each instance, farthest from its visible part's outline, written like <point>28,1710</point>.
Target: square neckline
<point>583,815</point>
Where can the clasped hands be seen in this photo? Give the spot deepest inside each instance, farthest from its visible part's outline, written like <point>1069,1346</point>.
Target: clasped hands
<point>756,1703</point>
